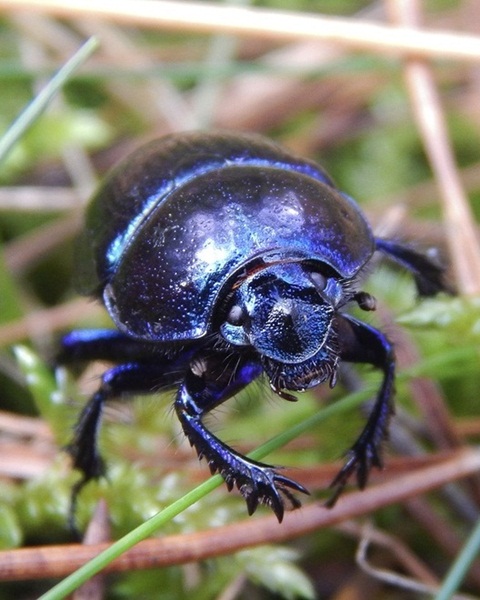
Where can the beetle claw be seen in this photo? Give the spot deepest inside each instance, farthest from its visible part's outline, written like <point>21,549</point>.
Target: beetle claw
<point>360,460</point>
<point>260,483</point>
<point>251,498</point>
<point>268,487</point>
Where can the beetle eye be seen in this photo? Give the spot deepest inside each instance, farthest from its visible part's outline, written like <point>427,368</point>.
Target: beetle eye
<point>319,280</point>
<point>236,316</point>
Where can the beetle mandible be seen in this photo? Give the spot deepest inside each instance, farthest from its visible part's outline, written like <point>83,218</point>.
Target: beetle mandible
<point>221,257</point>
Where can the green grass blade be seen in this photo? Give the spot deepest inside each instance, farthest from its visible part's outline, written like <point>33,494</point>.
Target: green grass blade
<point>35,108</point>
<point>461,565</point>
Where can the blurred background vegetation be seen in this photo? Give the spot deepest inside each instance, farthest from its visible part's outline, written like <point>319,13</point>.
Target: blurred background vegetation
<point>350,110</point>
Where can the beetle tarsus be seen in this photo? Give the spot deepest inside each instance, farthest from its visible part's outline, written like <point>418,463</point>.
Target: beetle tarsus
<point>360,460</point>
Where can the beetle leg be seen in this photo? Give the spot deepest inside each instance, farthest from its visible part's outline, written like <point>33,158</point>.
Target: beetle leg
<point>425,267</point>
<point>101,344</point>
<point>361,343</point>
<point>126,379</point>
<point>211,381</point>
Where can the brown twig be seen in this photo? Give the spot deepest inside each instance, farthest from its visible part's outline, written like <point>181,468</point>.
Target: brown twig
<point>392,578</point>
<point>461,232</point>
<point>211,18</point>
<point>57,561</point>
<point>399,550</point>
<point>46,320</point>
<point>27,250</point>
<point>98,531</point>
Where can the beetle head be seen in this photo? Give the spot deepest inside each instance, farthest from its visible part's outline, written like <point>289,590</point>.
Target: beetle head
<point>284,311</point>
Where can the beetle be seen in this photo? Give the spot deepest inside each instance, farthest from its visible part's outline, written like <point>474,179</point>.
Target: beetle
<point>221,257</point>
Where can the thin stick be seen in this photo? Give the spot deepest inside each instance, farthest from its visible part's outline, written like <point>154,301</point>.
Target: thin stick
<point>271,24</point>
<point>460,227</point>
<point>57,561</point>
<point>46,320</point>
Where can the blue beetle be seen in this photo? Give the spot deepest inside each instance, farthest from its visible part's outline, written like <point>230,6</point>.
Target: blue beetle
<point>221,257</point>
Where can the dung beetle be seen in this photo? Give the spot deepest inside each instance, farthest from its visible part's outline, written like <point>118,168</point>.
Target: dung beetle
<point>221,257</point>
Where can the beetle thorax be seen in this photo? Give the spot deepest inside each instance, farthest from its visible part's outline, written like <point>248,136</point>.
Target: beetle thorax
<point>282,312</point>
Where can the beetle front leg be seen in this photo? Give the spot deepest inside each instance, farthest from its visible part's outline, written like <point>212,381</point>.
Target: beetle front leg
<point>361,343</point>
<point>210,382</point>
